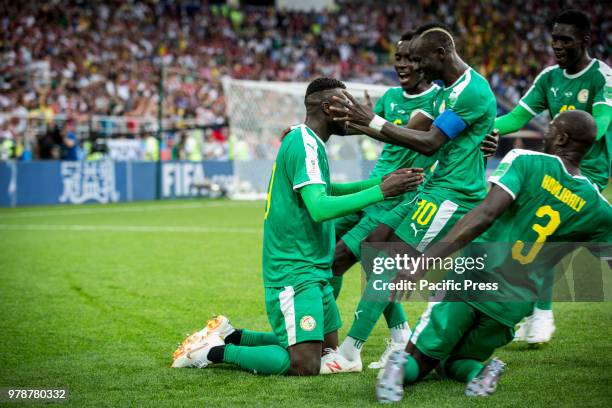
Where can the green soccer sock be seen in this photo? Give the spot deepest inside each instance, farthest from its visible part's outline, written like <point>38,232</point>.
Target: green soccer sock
<point>462,370</point>
<point>336,283</point>
<point>367,314</point>
<point>542,305</point>
<point>394,315</point>
<point>545,296</point>
<point>253,338</point>
<point>411,370</point>
<point>258,360</point>
<point>372,304</point>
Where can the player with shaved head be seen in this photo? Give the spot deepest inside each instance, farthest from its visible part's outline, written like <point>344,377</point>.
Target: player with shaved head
<point>523,210</point>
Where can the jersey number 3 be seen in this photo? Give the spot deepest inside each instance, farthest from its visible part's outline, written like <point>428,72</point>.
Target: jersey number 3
<point>544,231</point>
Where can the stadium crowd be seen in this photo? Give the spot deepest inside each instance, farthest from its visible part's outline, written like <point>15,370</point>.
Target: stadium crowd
<point>72,59</point>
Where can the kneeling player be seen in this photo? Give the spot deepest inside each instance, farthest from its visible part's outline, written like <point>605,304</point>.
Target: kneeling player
<point>298,252</point>
<point>518,209</point>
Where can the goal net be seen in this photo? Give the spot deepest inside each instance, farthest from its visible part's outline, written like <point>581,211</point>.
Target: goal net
<point>258,112</point>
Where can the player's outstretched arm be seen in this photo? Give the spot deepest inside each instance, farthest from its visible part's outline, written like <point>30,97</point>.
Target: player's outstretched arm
<point>323,207</point>
<point>425,142</point>
<point>472,225</point>
<point>417,122</point>
<point>338,189</point>
<point>513,121</point>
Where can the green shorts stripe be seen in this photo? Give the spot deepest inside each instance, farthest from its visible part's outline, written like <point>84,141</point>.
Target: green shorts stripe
<point>306,311</point>
<point>287,308</point>
<point>430,217</point>
<point>443,215</point>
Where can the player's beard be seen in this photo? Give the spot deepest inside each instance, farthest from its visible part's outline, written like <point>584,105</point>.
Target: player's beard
<point>340,129</point>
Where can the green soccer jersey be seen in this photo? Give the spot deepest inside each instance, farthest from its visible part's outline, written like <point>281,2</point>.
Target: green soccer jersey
<point>296,249</point>
<point>556,91</point>
<point>398,107</point>
<point>550,206</point>
<point>461,164</point>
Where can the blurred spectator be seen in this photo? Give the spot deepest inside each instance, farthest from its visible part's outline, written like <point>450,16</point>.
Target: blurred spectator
<point>71,58</point>
<point>151,148</point>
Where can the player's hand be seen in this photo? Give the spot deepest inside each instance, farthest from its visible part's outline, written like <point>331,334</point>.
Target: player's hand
<point>400,181</point>
<point>489,144</point>
<point>350,110</point>
<point>368,101</point>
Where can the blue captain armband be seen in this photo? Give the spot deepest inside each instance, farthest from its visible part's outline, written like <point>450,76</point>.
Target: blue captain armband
<point>450,124</point>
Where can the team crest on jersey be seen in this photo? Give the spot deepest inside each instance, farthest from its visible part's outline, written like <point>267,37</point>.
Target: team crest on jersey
<point>583,96</point>
<point>569,94</point>
<point>308,323</point>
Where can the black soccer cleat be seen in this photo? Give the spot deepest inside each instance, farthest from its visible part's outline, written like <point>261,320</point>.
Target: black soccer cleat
<point>485,383</point>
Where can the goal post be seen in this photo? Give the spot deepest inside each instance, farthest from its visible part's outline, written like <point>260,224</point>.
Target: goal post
<point>258,112</point>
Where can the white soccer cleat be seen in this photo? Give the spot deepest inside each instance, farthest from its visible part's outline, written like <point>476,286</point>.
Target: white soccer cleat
<point>220,325</point>
<point>333,363</point>
<point>523,329</point>
<point>541,329</point>
<point>391,347</point>
<point>194,351</point>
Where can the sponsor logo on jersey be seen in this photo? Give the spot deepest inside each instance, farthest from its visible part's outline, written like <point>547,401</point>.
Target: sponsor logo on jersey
<point>442,107</point>
<point>583,96</point>
<point>308,323</point>
<point>501,169</point>
<point>568,94</point>
<point>554,91</point>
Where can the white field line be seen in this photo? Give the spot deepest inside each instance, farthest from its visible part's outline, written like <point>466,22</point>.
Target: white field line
<point>113,210</point>
<point>127,228</point>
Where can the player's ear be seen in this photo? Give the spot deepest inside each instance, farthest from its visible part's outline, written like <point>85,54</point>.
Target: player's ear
<point>586,40</point>
<point>562,138</point>
<point>325,108</point>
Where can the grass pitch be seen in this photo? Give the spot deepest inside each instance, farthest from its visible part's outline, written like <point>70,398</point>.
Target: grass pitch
<point>96,298</point>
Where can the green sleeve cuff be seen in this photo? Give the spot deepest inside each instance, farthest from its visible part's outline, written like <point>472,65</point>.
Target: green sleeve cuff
<point>339,189</point>
<point>513,121</point>
<point>323,207</point>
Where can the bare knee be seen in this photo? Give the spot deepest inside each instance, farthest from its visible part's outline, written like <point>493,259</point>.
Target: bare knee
<point>305,358</point>
<point>305,365</point>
